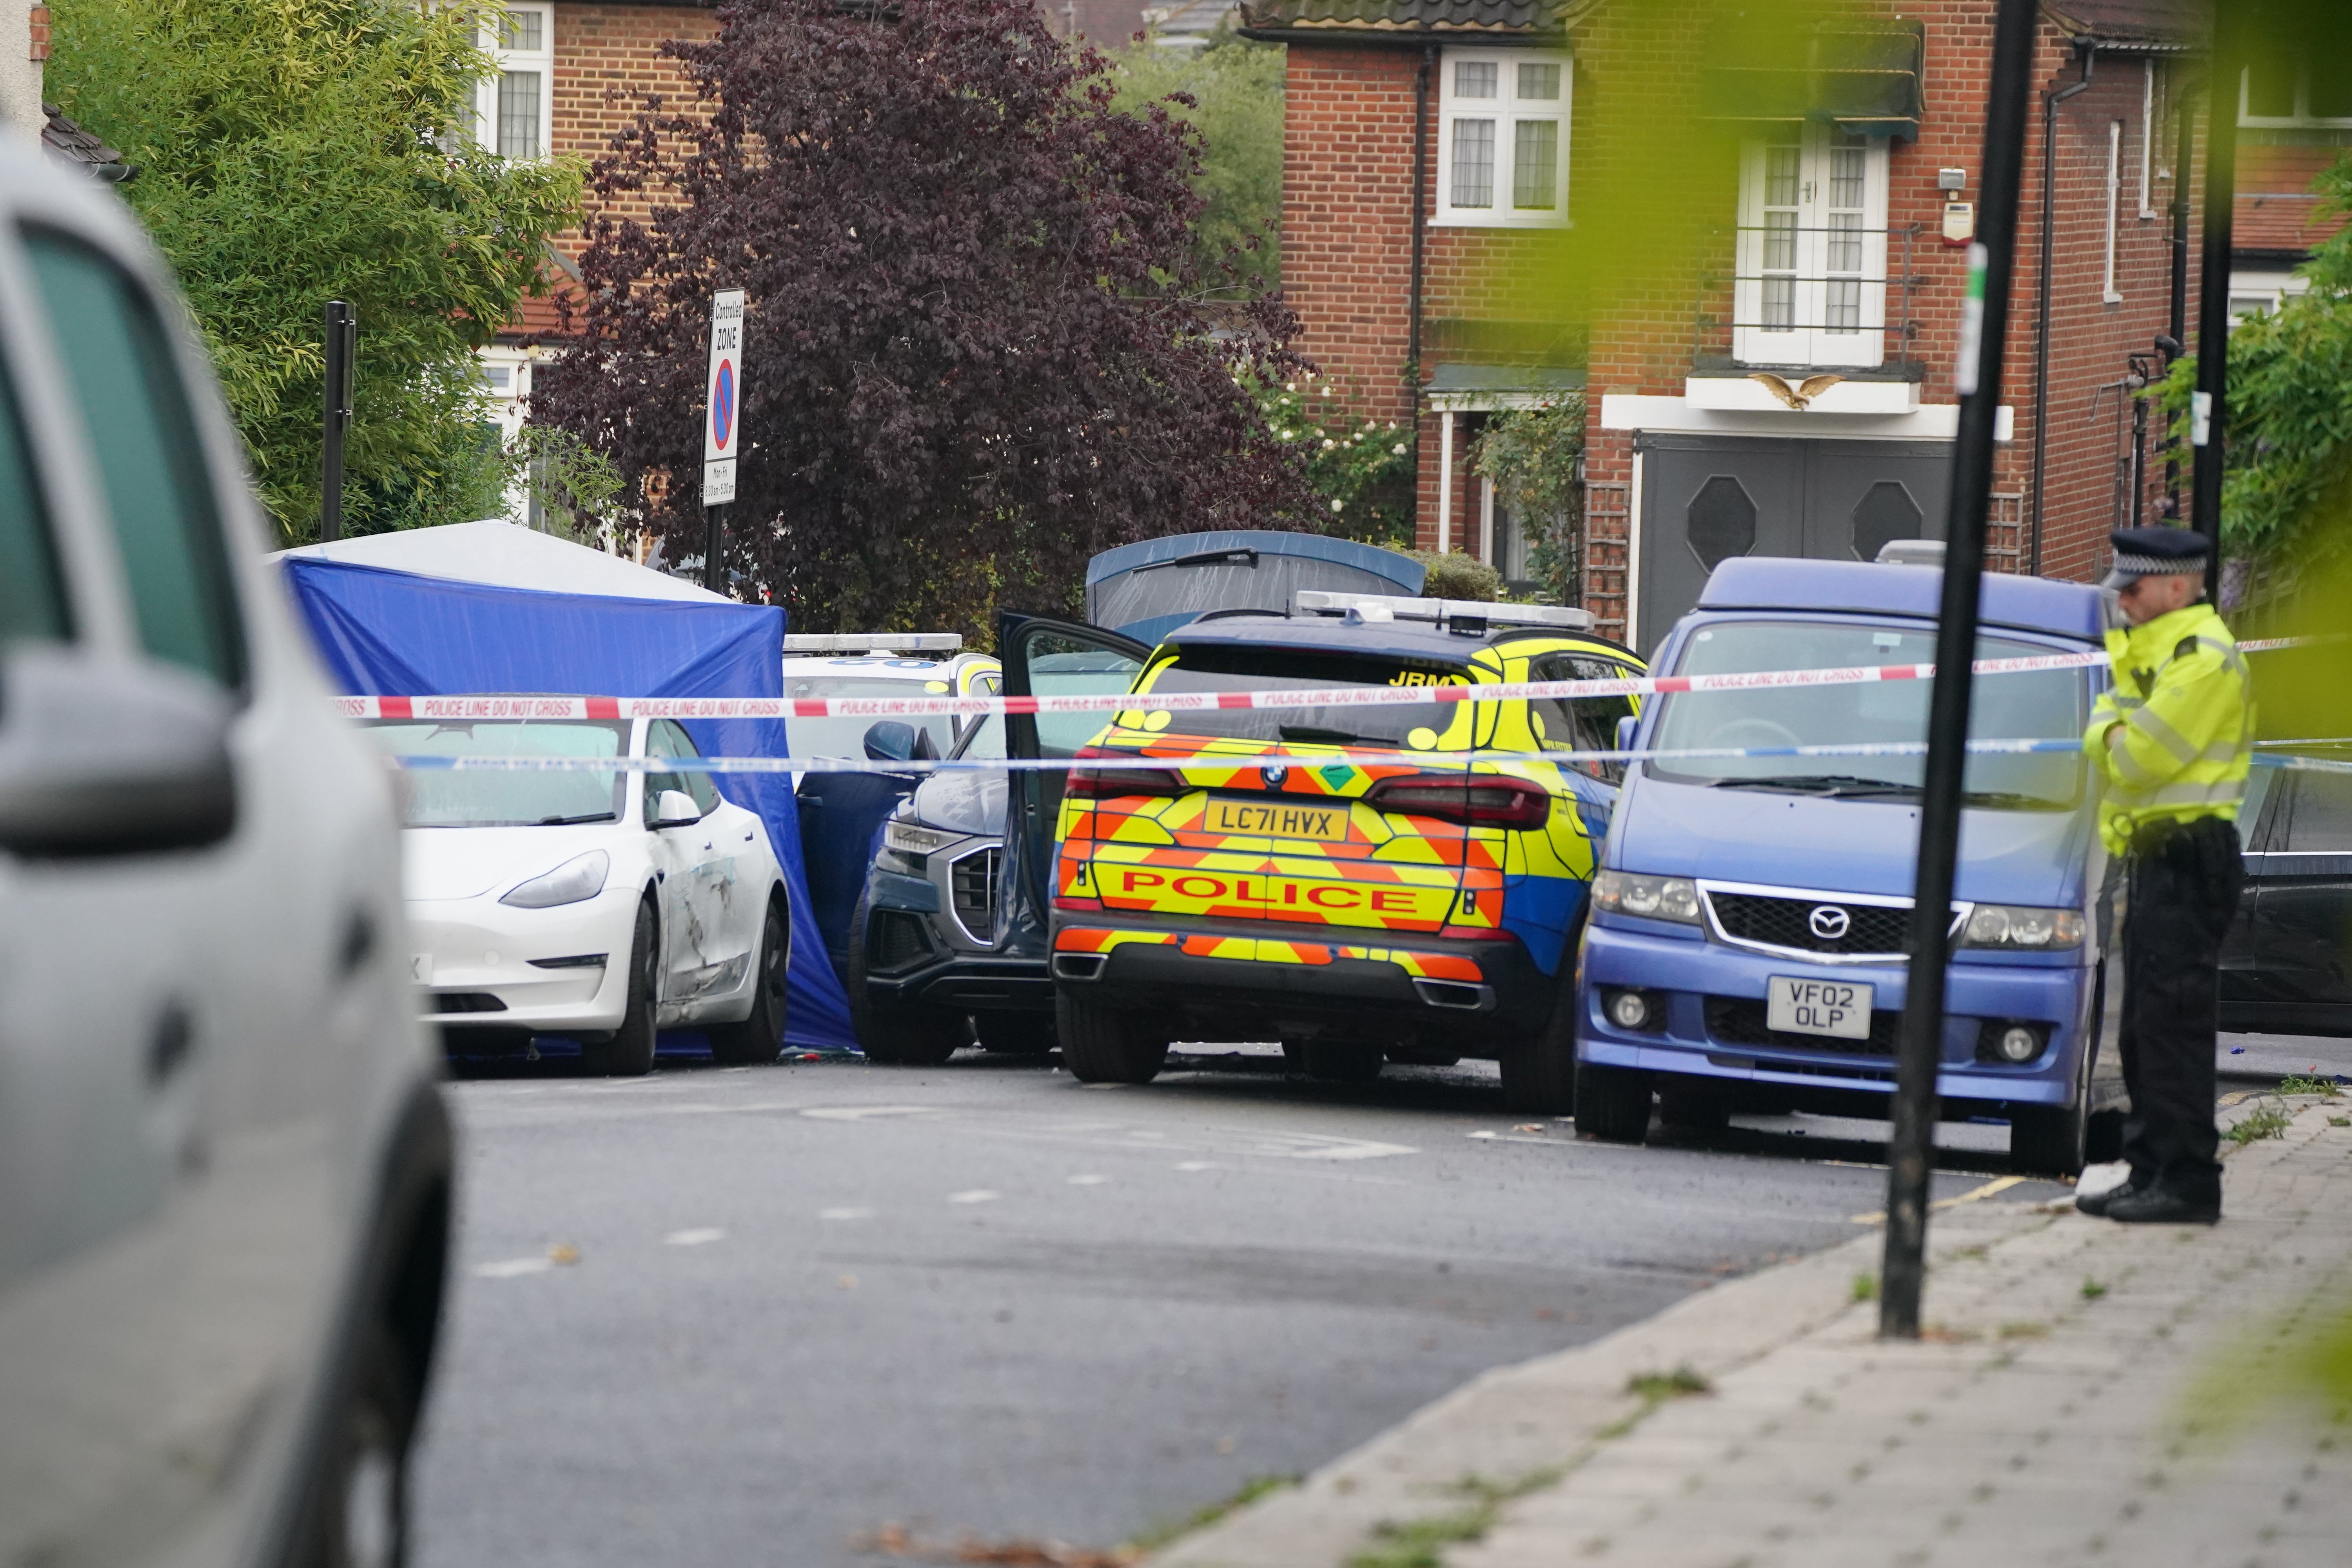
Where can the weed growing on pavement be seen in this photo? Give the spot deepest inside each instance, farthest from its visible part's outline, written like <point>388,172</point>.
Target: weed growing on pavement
<point>2092,1289</point>
<point>2269,1121</point>
<point>2339,1122</point>
<point>1249,1491</point>
<point>1657,1387</point>
<point>2324,1088</point>
<point>1422,1543</point>
<point>1866,1287</point>
<point>2026,1330</point>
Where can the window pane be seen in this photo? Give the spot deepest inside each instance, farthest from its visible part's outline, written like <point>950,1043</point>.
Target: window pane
<point>523,30</point>
<point>1539,81</point>
<point>1844,305</point>
<point>1845,175</point>
<point>1474,163</point>
<point>1780,241</point>
<point>2270,88</point>
<point>1779,303</point>
<point>1476,78</point>
<point>158,489</point>
<point>2321,822</point>
<point>518,114</point>
<point>1845,242</point>
<point>2328,84</point>
<point>1780,175</point>
<point>32,596</point>
<point>1535,162</point>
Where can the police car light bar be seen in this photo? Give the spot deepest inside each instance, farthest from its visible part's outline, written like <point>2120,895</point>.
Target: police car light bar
<point>874,642</point>
<point>1458,615</point>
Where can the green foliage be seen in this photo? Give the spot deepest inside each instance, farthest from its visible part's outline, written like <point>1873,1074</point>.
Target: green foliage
<point>1865,1287</point>
<point>2288,422</point>
<point>2297,1084</point>
<point>1236,91</point>
<point>1362,470</point>
<point>291,152</point>
<point>1249,1492</point>
<point>1534,457</point>
<point>1657,1387</point>
<point>575,485</point>
<point>1422,1543</point>
<point>1456,574</point>
<point>2092,1289</point>
<point>2269,1121</point>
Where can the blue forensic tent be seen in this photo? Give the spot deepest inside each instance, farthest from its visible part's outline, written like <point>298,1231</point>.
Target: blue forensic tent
<point>392,633</point>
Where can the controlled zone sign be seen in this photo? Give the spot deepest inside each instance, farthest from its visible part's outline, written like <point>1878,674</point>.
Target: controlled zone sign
<point>722,402</point>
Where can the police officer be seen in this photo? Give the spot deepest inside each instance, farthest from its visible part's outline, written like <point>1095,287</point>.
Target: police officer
<point>2170,742</point>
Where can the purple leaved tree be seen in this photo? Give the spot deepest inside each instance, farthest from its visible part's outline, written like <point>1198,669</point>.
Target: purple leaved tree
<point>978,349</point>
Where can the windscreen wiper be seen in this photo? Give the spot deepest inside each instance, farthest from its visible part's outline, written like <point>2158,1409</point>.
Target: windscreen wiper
<point>1828,785</point>
<point>2009,800</point>
<point>1314,735</point>
<point>569,821</point>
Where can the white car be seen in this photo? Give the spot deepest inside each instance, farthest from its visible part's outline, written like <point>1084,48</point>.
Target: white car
<point>225,1163</point>
<point>597,904</point>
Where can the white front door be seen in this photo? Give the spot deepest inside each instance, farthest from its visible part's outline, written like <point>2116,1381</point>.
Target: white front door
<point>1811,276</point>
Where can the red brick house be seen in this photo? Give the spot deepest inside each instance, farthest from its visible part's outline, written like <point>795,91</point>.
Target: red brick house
<point>1434,146</point>
<point>2295,120</point>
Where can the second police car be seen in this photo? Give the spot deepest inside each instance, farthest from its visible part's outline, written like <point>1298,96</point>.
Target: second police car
<point>1275,881</point>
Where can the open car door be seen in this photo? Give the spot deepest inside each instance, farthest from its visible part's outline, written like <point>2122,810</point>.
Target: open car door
<point>1046,657</point>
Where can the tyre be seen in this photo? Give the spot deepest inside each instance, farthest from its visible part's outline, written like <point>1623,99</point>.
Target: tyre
<point>759,1038</point>
<point>2103,1142</point>
<point>892,1035</point>
<point>1341,1061</point>
<point>359,1517</point>
<point>1101,1045</point>
<point>1612,1103</point>
<point>1014,1034</point>
<point>1539,1073</point>
<point>630,1052</point>
<point>1422,1057</point>
<point>2049,1140</point>
<point>1693,1108</point>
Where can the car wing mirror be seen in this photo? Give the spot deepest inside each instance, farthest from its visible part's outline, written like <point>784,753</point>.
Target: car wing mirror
<point>1625,728</point>
<point>110,756</point>
<point>674,808</point>
<point>889,741</point>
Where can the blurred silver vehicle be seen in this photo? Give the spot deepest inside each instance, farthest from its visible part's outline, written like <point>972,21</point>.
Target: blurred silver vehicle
<point>224,1168</point>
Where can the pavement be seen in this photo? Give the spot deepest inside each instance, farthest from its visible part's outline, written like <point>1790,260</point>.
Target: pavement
<point>2047,1416</point>
<point>812,1313</point>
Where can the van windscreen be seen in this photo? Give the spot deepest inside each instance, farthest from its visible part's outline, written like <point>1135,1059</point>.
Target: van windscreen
<point>2042,705</point>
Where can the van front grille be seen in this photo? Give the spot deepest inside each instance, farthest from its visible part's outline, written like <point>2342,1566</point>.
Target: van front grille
<point>972,888</point>
<point>1790,922</point>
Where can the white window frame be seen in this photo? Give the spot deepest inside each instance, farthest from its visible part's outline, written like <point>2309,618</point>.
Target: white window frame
<point>2300,119</point>
<point>504,59</point>
<point>2108,294</point>
<point>1505,110</point>
<point>2150,127</point>
<point>1805,338</point>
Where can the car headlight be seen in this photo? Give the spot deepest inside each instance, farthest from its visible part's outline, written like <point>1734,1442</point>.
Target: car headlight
<point>582,877</point>
<point>2021,927</point>
<point>1651,898</point>
<point>909,839</point>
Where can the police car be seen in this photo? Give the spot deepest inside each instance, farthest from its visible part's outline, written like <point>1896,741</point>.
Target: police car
<point>841,813</point>
<point>1269,882</point>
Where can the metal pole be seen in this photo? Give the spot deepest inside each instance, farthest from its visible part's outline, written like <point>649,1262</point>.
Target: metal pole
<point>2175,328</point>
<point>1977,376</point>
<point>2208,409</point>
<point>714,550</point>
<point>335,414</point>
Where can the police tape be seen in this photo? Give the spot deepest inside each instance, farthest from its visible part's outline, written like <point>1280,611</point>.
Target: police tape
<point>1195,762</point>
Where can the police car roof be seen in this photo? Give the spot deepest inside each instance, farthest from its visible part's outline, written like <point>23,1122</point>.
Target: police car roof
<point>1858,587</point>
<point>1332,634</point>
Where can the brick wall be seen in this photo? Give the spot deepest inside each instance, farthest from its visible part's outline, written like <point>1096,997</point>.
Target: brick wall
<point>605,64</point>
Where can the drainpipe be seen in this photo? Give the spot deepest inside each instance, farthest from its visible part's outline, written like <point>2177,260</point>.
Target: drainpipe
<point>2051,99</point>
<point>2176,325</point>
<point>1420,210</point>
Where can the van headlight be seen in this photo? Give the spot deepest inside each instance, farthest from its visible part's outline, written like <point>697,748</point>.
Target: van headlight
<point>1651,898</point>
<point>582,877</point>
<point>2023,927</point>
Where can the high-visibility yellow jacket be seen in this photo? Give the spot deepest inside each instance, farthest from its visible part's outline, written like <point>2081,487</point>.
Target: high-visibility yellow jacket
<point>2185,706</point>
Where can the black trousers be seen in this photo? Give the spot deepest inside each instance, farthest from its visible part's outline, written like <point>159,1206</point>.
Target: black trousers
<point>2180,892</point>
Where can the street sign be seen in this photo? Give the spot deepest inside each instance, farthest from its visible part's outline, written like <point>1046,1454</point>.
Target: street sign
<point>723,397</point>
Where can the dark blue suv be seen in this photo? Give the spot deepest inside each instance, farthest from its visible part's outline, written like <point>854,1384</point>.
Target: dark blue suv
<point>1745,948</point>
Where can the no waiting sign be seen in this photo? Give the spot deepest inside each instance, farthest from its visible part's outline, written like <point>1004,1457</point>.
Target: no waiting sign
<point>723,397</point>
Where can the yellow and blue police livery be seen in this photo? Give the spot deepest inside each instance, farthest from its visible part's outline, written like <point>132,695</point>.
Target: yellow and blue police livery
<point>1364,882</point>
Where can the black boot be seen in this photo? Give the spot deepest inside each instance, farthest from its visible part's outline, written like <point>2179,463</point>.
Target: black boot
<point>2159,1204</point>
<point>2096,1205</point>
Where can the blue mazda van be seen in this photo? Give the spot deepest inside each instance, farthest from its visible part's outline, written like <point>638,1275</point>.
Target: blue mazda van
<point>1746,943</point>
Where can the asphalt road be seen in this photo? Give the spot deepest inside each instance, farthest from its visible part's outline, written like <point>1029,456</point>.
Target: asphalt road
<point>759,1315</point>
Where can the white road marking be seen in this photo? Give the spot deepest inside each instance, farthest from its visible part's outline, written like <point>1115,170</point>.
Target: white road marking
<point>975,1195</point>
<point>514,1267</point>
<point>1088,1180</point>
<point>694,1237</point>
<point>1195,1166</point>
<point>845,1214</point>
<point>866,1112</point>
<point>1997,1185</point>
